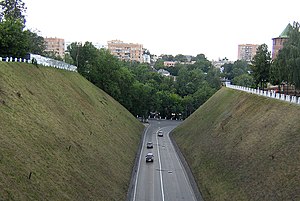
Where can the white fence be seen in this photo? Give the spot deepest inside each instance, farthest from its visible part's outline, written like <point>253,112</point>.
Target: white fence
<point>43,61</point>
<point>269,94</point>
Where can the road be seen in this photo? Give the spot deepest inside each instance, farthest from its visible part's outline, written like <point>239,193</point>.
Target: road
<point>165,179</point>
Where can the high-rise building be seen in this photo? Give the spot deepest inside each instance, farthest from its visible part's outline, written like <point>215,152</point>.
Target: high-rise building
<point>55,45</point>
<point>280,40</point>
<point>126,51</point>
<point>246,52</point>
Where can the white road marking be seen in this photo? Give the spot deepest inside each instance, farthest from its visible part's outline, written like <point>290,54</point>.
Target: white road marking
<point>160,173</point>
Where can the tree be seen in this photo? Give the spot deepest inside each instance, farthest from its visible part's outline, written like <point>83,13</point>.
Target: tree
<point>213,78</point>
<point>285,67</point>
<point>159,64</point>
<point>240,67</point>
<point>245,80</point>
<point>181,58</point>
<point>14,42</point>
<point>36,43</point>
<point>201,63</point>
<point>261,64</point>
<point>227,72</point>
<point>12,10</point>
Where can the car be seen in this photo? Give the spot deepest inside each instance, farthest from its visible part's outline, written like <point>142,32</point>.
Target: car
<point>149,157</point>
<point>160,133</point>
<point>149,145</point>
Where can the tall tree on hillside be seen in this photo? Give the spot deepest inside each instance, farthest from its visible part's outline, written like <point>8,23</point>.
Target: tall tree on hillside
<point>261,64</point>
<point>286,66</point>
<point>13,40</point>
<point>13,10</point>
<point>36,43</point>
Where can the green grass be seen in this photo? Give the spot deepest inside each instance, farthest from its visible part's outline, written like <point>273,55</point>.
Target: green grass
<point>243,147</point>
<point>76,141</point>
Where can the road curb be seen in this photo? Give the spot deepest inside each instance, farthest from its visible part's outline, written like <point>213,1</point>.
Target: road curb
<point>135,168</point>
<point>187,169</point>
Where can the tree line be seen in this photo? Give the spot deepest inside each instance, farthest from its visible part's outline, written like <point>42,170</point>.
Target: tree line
<point>140,88</point>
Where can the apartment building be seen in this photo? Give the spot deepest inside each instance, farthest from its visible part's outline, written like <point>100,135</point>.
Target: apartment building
<point>246,52</point>
<point>126,51</point>
<point>169,63</point>
<point>56,45</point>
<point>279,41</point>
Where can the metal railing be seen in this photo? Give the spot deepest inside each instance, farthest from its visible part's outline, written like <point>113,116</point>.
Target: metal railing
<point>45,61</point>
<point>269,94</point>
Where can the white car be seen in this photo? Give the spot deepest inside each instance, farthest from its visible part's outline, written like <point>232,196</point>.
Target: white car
<point>149,157</point>
<point>149,145</point>
<point>160,133</point>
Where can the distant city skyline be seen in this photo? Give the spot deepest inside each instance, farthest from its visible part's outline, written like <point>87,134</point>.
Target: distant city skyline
<point>214,28</point>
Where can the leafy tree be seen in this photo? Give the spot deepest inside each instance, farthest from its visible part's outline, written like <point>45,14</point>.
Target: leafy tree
<point>201,63</point>
<point>12,10</point>
<point>180,58</point>
<point>36,43</point>
<point>169,103</point>
<point>68,59</point>
<point>85,57</point>
<point>261,64</point>
<point>188,81</point>
<point>159,64</point>
<point>142,94</point>
<point>285,67</point>
<point>202,94</point>
<point>240,67</point>
<point>14,42</point>
<point>213,78</point>
<point>166,57</point>
<point>245,80</point>
<point>174,70</point>
<point>228,71</point>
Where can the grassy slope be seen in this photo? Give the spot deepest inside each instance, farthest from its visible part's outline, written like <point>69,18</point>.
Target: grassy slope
<point>243,147</point>
<point>76,140</point>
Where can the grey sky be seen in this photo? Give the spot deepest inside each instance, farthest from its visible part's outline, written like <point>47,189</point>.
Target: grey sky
<point>212,27</point>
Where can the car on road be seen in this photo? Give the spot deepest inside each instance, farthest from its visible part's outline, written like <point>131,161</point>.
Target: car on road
<point>149,157</point>
<point>160,133</point>
<point>149,145</point>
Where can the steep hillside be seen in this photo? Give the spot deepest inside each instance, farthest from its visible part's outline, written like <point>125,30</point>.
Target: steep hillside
<point>62,138</point>
<point>243,147</point>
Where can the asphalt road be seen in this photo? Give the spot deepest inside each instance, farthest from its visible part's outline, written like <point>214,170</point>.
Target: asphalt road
<point>165,179</point>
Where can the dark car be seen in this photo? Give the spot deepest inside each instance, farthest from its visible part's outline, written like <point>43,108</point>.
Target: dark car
<point>149,157</point>
<point>149,145</point>
<point>160,133</point>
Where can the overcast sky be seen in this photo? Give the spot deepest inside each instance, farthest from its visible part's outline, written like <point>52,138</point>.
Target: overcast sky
<point>189,27</point>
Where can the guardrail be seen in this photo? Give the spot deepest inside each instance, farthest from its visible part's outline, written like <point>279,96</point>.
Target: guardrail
<point>45,61</point>
<point>269,94</point>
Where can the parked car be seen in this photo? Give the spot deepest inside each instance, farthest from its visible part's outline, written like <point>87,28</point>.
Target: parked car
<point>149,157</point>
<point>160,133</point>
<point>149,145</point>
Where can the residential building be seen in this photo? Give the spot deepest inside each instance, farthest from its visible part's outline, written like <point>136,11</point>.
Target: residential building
<point>279,41</point>
<point>126,51</point>
<point>164,72</point>
<point>169,63</point>
<point>219,63</point>
<point>55,45</point>
<point>246,52</point>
